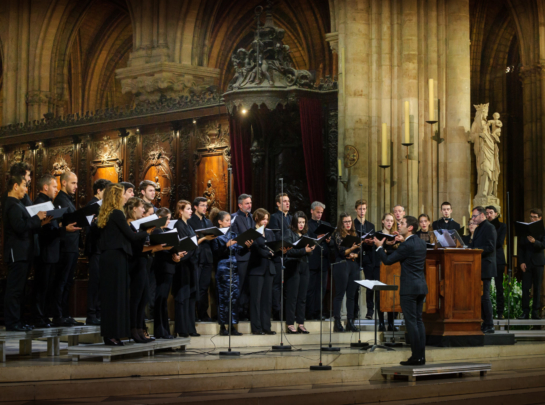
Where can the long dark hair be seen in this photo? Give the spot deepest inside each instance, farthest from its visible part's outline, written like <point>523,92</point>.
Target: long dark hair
<point>216,215</point>
<point>340,226</point>
<point>295,222</point>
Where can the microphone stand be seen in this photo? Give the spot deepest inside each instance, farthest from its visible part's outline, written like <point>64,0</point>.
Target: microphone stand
<point>330,348</point>
<point>359,344</point>
<point>229,352</point>
<point>282,347</point>
<point>321,366</point>
<point>392,342</point>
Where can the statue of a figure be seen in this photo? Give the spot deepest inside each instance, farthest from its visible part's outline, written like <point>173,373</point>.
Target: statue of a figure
<point>486,151</point>
<point>157,190</point>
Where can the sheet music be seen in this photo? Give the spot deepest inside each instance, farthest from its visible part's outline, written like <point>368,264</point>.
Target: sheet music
<point>369,284</point>
<point>89,218</point>
<point>224,230</point>
<point>195,241</point>
<point>171,224</point>
<point>34,209</point>
<point>138,222</point>
<point>445,239</point>
<point>261,229</point>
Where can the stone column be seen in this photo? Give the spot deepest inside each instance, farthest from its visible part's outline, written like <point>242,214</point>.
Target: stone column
<point>455,151</point>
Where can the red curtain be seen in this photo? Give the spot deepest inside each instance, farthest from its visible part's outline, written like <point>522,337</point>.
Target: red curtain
<point>241,160</point>
<point>311,130</point>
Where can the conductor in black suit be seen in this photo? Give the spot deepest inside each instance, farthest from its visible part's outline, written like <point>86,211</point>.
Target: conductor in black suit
<point>19,228</point>
<point>532,260</point>
<point>282,214</point>
<point>241,221</point>
<point>413,288</point>
<point>64,277</point>
<point>446,222</point>
<point>501,230</point>
<point>484,238</point>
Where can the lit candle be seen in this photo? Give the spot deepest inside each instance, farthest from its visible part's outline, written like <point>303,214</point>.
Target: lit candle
<point>505,250</point>
<point>407,123</point>
<point>515,248</point>
<point>464,224</point>
<point>422,209</point>
<point>384,144</point>
<point>432,101</point>
<point>340,169</point>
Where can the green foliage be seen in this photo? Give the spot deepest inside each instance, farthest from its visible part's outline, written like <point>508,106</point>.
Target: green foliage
<point>513,295</point>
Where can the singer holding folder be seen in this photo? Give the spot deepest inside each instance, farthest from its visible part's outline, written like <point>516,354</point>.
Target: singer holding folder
<point>411,253</point>
<point>115,251</point>
<point>345,274</point>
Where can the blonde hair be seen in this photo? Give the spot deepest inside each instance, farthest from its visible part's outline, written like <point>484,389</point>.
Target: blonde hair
<point>112,200</point>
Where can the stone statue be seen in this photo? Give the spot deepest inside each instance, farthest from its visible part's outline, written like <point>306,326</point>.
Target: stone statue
<point>485,136</point>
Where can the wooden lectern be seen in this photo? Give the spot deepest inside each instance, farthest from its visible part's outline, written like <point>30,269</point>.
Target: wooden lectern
<point>452,311</point>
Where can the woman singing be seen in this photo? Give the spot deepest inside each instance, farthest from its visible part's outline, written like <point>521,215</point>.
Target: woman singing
<point>297,273</point>
<point>425,232</point>
<point>345,274</point>
<point>115,241</point>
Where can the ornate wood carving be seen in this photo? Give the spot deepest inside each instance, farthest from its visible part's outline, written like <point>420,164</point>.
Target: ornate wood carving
<point>330,151</point>
<point>157,154</point>
<point>186,172</point>
<point>132,143</point>
<point>83,177</point>
<point>60,159</point>
<point>106,153</point>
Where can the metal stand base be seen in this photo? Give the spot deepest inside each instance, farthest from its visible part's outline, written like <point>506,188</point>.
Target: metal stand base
<point>331,349</point>
<point>230,354</point>
<point>359,345</point>
<point>393,344</point>
<point>281,348</point>
<point>320,368</point>
<point>372,349</point>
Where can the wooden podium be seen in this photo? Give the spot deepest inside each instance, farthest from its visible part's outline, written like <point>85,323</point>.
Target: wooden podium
<point>452,311</point>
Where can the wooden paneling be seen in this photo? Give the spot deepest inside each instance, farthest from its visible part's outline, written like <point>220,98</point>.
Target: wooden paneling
<point>158,175</point>
<point>211,181</point>
<point>107,173</point>
<point>390,275</point>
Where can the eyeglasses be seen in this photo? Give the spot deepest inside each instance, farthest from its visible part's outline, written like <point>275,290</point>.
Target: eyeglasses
<point>476,216</point>
<point>347,222</point>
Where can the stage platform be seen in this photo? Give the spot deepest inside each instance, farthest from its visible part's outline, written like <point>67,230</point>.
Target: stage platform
<point>39,377</point>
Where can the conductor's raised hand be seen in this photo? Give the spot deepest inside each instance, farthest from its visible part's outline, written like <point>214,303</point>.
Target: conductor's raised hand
<point>378,243</point>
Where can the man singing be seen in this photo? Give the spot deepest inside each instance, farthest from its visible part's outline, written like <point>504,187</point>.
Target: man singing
<point>413,288</point>
<point>367,259</point>
<point>147,192</point>
<point>501,231</point>
<point>446,222</point>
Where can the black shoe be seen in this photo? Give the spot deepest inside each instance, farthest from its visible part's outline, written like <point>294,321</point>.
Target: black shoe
<point>206,319</point>
<point>258,333</point>
<point>488,331</point>
<point>392,328</point>
<point>291,331</point>
<point>303,331</point>
<point>194,334</point>
<point>183,335</point>
<point>137,338</point>
<point>73,321</point>
<point>18,327</point>
<point>524,315</point>
<point>269,332</point>
<point>92,321</point>
<point>535,315</point>
<point>41,324</point>
<point>413,362</point>
<point>234,331</point>
<point>338,327</point>
<point>350,326</point>
<point>61,322</point>
<point>223,331</point>
<point>110,342</point>
<point>369,314</point>
<point>381,327</point>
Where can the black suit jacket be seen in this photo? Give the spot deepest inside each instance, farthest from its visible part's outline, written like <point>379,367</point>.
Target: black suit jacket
<point>19,228</point>
<point>368,251</point>
<point>276,222</point>
<point>484,238</point>
<point>25,200</point>
<point>205,249</point>
<point>501,232</point>
<point>314,260</point>
<point>70,240</point>
<point>92,233</point>
<point>441,224</point>
<point>189,264</point>
<point>162,261</point>
<point>117,234</point>
<point>49,236</point>
<point>239,226</point>
<point>412,256</point>
<point>261,257</point>
<point>296,254</point>
<point>531,253</point>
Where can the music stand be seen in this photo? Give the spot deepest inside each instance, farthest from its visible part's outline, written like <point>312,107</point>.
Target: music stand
<point>377,288</point>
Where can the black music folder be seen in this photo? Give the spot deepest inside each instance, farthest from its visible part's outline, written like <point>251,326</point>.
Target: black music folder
<point>324,229</point>
<point>168,238</point>
<point>250,234</point>
<point>81,217</point>
<point>525,229</point>
<point>276,245</point>
<point>214,231</point>
<point>349,241</point>
<point>380,236</point>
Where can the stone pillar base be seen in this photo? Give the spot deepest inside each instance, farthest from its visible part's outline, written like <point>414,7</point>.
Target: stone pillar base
<point>485,201</point>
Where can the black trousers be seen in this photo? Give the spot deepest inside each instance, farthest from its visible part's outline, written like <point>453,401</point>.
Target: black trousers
<point>138,290</point>
<point>261,301</point>
<point>412,310</point>
<point>152,283</point>
<point>277,288</point>
<point>161,326</point>
<point>15,288</point>
<point>486,305</point>
<point>296,292</point>
<point>533,276</point>
<point>369,270</point>
<point>64,279</point>
<point>344,276</point>
<point>244,300</point>
<point>184,303</point>
<point>317,284</point>
<point>205,276</point>
<point>93,287</point>
<point>114,294</point>
<point>498,280</point>
<point>42,288</point>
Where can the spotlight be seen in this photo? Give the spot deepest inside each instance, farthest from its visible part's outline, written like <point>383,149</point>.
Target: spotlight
<point>194,121</point>
<point>137,130</point>
<point>244,111</point>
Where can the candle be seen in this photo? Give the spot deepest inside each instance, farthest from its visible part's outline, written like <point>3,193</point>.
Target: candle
<point>432,101</point>
<point>505,250</point>
<point>384,144</point>
<point>407,123</point>
<point>340,169</point>
<point>422,209</point>
<point>464,224</point>
<point>515,247</point>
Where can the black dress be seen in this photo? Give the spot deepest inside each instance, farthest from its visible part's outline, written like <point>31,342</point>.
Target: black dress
<point>115,246</point>
<point>139,282</point>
